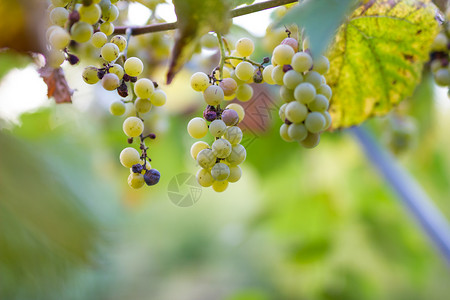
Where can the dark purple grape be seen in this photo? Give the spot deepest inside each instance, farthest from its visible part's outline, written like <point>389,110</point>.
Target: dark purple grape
<point>209,115</point>
<point>257,77</point>
<point>101,73</point>
<point>152,177</point>
<point>133,79</point>
<point>122,90</point>
<point>74,16</point>
<point>72,59</point>
<point>287,68</point>
<point>230,117</point>
<point>126,77</point>
<point>137,168</point>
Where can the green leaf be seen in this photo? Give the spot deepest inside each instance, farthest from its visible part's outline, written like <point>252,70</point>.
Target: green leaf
<point>377,58</point>
<point>319,18</point>
<point>236,3</point>
<point>195,18</point>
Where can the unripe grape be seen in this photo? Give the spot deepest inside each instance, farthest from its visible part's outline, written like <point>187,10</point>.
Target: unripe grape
<point>133,66</point>
<point>209,41</point>
<point>117,108</point>
<point>286,94</point>
<point>297,132</point>
<point>228,86</point>
<point>213,95</point>
<point>278,74</point>
<point>111,14</point>
<point>314,78</point>
<point>199,81</point>
<point>235,174</point>
<point>99,39</point>
<point>233,134</point>
<point>151,177</point>
<point>221,148</point>
<point>220,171</point>
<point>302,62</point>
<point>290,42</point>
<point>320,103</point>
<point>59,16</point>
<point>55,58</point>
<point>118,70</point>
<point>143,88</point>
<point>206,159</point>
<point>120,41</point>
<point>59,39</point>
<point>110,82</point>
<point>107,28</point>
<point>81,32</point>
<point>90,14</point>
<point>90,75</point>
<point>133,126</point>
<point>281,112</point>
<point>204,178</point>
<point>197,147</point>
<point>235,62</point>
<point>440,42</point>
<point>284,133</point>
<point>292,78</point>
<point>283,54</point>
<point>442,77</point>
<point>267,74</point>
<point>142,105</point>
<point>60,3</point>
<point>237,155</point>
<point>244,92</point>
<point>237,108</point>
<point>217,128</point>
<point>244,71</point>
<point>311,140</point>
<point>110,52</point>
<point>325,90</point>
<point>158,97</point>
<point>244,47</point>
<point>315,122</point>
<point>197,128</point>
<point>220,186</point>
<point>296,112</point>
<point>136,181</point>
<point>129,157</point>
<point>230,117</point>
<point>327,117</point>
<point>305,44</point>
<point>321,64</point>
<point>305,92</point>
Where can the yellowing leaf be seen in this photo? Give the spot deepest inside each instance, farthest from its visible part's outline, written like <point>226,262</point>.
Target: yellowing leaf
<point>57,86</point>
<point>377,58</point>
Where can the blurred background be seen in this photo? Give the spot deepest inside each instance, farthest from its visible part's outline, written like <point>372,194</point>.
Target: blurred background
<point>300,224</point>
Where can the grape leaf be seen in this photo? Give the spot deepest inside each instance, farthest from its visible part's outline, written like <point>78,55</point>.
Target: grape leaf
<point>195,18</point>
<point>57,84</point>
<point>377,58</point>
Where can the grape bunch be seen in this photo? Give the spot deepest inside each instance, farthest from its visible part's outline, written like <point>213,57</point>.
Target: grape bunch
<point>440,55</point>
<point>304,91</point>
<point>90,21</point>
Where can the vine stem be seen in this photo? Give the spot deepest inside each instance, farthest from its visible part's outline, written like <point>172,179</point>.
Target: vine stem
<point>237,12</point>
<point>244,59</point>
<point>222,55</point>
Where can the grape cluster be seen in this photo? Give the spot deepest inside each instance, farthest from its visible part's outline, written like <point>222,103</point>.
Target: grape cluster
<point>304,91</point>
<point>440,55</point>
<point>90,21</point>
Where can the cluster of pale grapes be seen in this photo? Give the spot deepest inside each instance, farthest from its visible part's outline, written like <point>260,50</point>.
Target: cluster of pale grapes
<point>304,91</point>
<point>440,55</point>
<point>90,21</point>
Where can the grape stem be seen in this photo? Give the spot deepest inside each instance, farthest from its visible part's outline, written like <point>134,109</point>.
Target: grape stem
<point>222,55</point>
<point>237,12</point>
<point>245,59</point>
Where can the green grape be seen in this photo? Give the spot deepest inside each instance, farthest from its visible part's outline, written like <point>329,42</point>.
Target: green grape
<point>244,71</point>
<point>296,112</point>
<point>209,41</point>
<point>90,14</point>
<point>278,74</point>
<point>197,128</point>
<point>321,64</point>
<point>282,112</point>
<point>206,159</point>
<point>204,178</point>
<point>220,186</point>
<point>98,39</point>
<point>284,133</point>
<point>59,16</point>
<point>325,90</point>
<point>136,181</point>
<point>228,86</point>
<point>213,95</point>
<point>292,78</point>
<point>111,14</point>
<point>120,41</point>
<point>117,108</point>
<point>226,73</point>
<point>315,122</point>
<point>233,134</point>
<point>107,28</point>
<point>144,88</point>
<point>90,75</point>
<point>314,78</point>
<point>50,30</point>
<point>297,132</point>
<point>302,62</point>
<point>110,52</point>
<point>199,81</point>
<point>129,157</point>
<point>244,92</point>
<point>130,110</point>
<point>290,42</point>
<point>235,62</point>
<point>221,148</point>
<point>142,105</point>
<point>158,98</point>
<point>60,3</point>
<point>442,77</point>
<point>320,103</point>
<point>217,128</point>
<point>237,155</point>
<point>435,65</point>
<point>81,32</point>
<point>220,171</point>
<point>244,47</point>
<point>118,70</point>
<point>267,74</point>
<point>197,147</point>
<point>110,82</point>
<point>133,126</point>
<point>239,109</point>
<point>311,140</point>
<point>305,92</point>
<point>59,39</point>
<point>305,44</point>
<point>286,94</point>
<point>327,117</point>
<point>235,174</point>
<point>55,58</point>
<point>133,66</point>
<point>283,54</point>
<point>440,42</point>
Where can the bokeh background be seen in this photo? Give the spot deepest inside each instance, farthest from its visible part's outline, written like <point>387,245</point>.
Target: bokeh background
<point>300,224</point>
